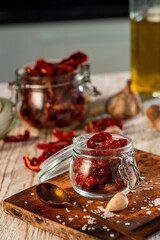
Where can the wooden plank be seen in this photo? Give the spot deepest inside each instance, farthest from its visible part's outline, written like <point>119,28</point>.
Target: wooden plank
<point>27,207</point>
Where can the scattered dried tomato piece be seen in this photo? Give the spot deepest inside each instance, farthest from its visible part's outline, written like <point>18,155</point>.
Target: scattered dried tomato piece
<point>101,125</point>
<point>18,138</point>
<point>64,139</point>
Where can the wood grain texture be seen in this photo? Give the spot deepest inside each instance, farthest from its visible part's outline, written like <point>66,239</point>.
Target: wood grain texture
<point>27,207</point>
<point>15,177</point>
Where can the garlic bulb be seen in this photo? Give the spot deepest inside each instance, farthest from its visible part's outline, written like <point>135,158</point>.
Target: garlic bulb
<point>118,202</point>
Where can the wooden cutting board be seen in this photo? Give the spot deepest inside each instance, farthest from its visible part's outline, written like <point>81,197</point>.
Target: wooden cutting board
<point>141,216</point>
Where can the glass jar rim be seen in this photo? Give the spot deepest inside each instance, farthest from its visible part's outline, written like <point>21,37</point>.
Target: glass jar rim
<point>78,148</point>
<point>19,72</point>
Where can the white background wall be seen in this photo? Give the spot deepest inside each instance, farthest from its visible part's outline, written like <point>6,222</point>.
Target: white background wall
<point>105,41</point>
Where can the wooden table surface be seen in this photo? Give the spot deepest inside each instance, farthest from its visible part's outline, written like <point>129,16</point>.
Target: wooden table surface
<point>14,176</point>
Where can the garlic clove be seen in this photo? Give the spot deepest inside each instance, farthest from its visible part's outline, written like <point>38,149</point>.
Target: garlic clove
<point>118,202</point>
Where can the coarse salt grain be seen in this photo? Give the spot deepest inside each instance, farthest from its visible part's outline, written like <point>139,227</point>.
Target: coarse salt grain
<point>117,221</point>
<point>108,229</point>
<point>57,216</point>
<point>63,223</point>
<point>117,215</point>
<point>60,220</point>
<point>150,204</point>
<point>104,227</point>
<point>127,224</point>
<point>156,202</point>
<point>84,227</point>
<point>149,212</point>
<point>146,189</point>
<point>25,202</point>
<point>70,219</point>
<point>74,203</point>
<point>150,181</point>
<point>134,202</point>
<point>156,183</point>
<point>145,200</point>
<point>132,191</point>
<point>32,193</point>
<point>89,228</point>
<point>86,205</point>
<point>133,208</point>
<point>102,202</point>
<point>67,210</point>
<point>93,228</point>
<point>143,207</point>
<point>90,201</point>
<point>84,210</point>
<point>112,235</point>
<point>158,209</point>
<point>137,196</point>
<point>76,216</point>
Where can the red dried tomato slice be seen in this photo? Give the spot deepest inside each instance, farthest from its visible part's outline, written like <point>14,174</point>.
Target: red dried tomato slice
<point>63,140</point>
<point>101,125</point>
<point>18,138</point>
<point>97,138</point>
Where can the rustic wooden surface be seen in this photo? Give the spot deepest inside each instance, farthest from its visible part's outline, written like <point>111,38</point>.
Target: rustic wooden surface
<point>27,207</point>
<point>15,177</point>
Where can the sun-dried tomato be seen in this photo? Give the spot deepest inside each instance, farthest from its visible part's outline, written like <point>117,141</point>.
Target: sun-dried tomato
<point>98,138</point>
<point>17,138</point>
<point>99,174</point>
<point>59,105</point>
<point>101,125</point>
<point>63,140</point>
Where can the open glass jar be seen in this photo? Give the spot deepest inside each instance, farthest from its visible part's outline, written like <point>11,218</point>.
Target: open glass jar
<point>97,174</point>
<point>48,101</point>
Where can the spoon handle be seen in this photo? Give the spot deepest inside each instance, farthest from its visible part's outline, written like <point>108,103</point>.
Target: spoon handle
<point>114,226</point>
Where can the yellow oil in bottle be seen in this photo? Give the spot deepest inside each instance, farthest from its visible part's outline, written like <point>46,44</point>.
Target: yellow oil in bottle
<point>145,56</point>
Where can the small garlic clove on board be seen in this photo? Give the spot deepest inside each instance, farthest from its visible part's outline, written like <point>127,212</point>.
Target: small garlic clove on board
<point>118,202</point>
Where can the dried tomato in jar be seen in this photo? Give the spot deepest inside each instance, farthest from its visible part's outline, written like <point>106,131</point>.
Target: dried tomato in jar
<point>96,162</point>
<point>54,93</point>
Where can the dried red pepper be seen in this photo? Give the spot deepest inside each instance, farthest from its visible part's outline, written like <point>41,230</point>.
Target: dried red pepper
<point>55,106</point>
<point>101,125</point>
<point>63,140</point>
<point>17,138</point>
<point>101,174</point>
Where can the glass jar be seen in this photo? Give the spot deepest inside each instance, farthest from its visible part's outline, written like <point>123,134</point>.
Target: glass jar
<point>145,42</point>
<point>94,173</point>
<point>60,101</point>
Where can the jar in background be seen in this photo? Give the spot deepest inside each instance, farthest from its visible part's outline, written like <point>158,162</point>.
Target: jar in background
<point>60,101</point>
<point>145,42</point>
<point>99,174</point>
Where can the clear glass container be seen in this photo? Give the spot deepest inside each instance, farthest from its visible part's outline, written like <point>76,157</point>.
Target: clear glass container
<point>94,173</point>
<point>145,42</point>
<point>60,101</point>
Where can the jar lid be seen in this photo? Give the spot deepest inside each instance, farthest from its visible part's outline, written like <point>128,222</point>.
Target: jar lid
<point>56,164</point>
<point>8,116</point>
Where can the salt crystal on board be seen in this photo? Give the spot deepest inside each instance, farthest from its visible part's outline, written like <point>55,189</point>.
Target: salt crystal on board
<point>117,215</point>
<point>76,216</point>
<point>158,209</point>
<point>145,200</point>
<point>32,193</point>
<point>93,228</point>
<point>127,224</point>
<point>90,201</point>
<point>143,207</point>
<point>117,221</point>
<point>86,205</point>
<point>112,235</point>
<point>63,223</point>
<point>156,202</point>
<point>137,196</point>
<point>25,202</point>
<point>149,212</point>
<point>132,191</point>
<point>104,227</point>
<point>133,208</point>
<point>108,229</point>
<point>84,210</point>
<point>58,216</point>
<point>67,210</point>
<point>89,228</point>
<point>70,219</point>
<point>156,183</point>
<point>84,227</point>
